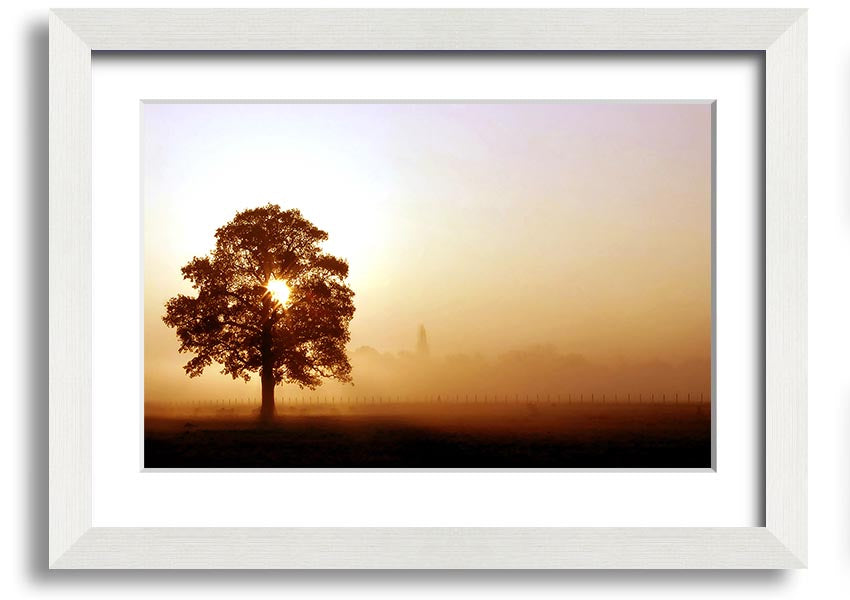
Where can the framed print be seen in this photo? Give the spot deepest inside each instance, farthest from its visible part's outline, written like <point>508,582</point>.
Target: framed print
<point>392,307</point>
<point>448,355</point>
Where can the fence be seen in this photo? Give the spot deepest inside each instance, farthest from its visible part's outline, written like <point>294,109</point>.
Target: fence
<point>566,398</point>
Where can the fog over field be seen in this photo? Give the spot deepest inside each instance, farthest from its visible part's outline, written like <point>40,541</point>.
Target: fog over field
<point>519,375</point>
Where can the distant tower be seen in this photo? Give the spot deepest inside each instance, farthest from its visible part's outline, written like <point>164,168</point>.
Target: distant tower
<point>422,342</point>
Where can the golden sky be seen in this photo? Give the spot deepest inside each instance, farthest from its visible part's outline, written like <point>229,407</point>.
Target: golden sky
<point>581,228</point>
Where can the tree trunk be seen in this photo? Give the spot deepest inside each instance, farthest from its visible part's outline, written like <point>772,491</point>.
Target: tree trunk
<point>267,408</point>
<point>267,363</point>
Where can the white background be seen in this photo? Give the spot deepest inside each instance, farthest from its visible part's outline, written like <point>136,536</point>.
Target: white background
<point>123,496</point>
<point>24,241</point>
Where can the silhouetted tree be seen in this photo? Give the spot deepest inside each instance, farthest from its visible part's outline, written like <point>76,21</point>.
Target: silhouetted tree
<point>244,319</point>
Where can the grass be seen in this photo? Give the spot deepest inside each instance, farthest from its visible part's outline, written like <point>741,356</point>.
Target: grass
<point>433,435</point>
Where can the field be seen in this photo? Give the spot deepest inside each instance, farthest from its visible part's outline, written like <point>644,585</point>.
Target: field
<point>535,434</point>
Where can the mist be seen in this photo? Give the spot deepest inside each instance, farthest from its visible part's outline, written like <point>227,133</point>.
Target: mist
<point>416,375</point>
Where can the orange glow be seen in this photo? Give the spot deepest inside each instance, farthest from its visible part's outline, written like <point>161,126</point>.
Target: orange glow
<point>547,248</point>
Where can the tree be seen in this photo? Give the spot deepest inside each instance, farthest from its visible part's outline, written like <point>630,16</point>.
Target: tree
<point>269,300</point>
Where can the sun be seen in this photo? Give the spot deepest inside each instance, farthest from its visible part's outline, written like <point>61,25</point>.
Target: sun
<point>279,290</point>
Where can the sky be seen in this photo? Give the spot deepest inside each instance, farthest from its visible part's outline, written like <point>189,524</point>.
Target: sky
<point>579,230</point>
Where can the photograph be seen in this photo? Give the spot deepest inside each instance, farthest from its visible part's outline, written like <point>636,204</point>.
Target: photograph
<point>386,284</point>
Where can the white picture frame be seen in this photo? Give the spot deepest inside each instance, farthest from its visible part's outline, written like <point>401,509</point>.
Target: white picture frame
<point>76,33</point>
